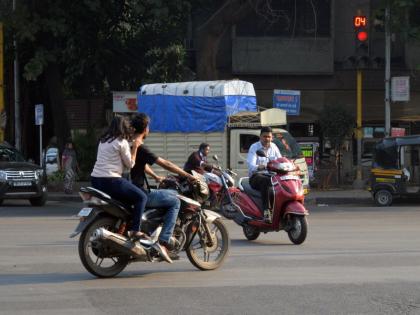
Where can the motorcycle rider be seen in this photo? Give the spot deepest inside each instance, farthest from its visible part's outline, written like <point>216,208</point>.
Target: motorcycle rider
<point>197,161</point>
<point>113,155</point>
<point>259,177</point>
<point>156,198</point>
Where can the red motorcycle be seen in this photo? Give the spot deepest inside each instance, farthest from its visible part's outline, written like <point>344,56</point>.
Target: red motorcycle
<point>244,204</point>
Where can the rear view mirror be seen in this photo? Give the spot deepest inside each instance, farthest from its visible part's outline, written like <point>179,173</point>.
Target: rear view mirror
<point>261,153</point>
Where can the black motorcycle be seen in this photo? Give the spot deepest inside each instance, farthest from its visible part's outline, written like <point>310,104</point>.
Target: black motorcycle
<point>105,249</point>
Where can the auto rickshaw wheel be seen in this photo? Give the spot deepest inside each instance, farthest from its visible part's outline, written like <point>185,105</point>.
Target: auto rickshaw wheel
<point>383,198</point>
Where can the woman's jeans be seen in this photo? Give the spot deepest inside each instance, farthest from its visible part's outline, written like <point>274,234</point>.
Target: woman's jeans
<point>122,190</point>
<point>165,199</point>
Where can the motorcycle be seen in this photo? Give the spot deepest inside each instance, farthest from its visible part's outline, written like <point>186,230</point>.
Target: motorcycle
<point>105,249</point>
<point>244,204</point>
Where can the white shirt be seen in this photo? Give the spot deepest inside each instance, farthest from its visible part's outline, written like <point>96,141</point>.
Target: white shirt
<point>253,160</point>
<point>111,159</point>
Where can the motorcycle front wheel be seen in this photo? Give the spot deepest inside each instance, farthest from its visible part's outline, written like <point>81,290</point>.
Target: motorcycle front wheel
<point>206,257</point>
<point>90,252</point>
<point>299,229</point>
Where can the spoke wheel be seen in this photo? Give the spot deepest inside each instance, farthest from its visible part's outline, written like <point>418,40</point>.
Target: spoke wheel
<point>206,257</point>
<point>93,254</point>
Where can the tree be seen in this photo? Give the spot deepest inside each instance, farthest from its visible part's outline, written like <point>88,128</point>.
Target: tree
<point>88,48</point>
<point>336,125</point>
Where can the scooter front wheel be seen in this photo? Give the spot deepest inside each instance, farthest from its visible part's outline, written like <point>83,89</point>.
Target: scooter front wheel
<point>298,229</point>
<point>250,232</point>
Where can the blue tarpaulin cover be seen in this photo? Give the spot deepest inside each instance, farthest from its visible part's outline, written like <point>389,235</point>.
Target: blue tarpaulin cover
<point>201,106</point>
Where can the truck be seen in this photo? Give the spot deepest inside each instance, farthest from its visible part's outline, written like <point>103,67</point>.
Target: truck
<point>223,114</point>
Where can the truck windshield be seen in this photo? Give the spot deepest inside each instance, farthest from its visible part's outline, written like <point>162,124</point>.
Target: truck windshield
<point>287,145</point>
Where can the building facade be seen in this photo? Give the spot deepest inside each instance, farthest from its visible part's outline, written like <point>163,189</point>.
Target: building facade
<point>308,46</point>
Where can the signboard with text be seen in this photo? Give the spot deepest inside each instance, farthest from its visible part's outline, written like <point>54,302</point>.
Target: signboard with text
<point>400,89</point>
<point>39,114</point>
<point>288,100</point>
<point>124,102</point>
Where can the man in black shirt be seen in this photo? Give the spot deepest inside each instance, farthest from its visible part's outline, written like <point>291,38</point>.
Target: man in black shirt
<point>156,198</point>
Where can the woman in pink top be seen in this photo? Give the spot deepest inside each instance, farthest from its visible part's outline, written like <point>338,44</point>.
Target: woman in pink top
<point>114,154</point>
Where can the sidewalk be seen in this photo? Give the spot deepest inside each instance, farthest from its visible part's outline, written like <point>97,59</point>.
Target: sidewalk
<point>315,197</point>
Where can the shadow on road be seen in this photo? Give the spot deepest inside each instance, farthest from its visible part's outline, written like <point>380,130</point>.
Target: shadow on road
<point>257,242</point>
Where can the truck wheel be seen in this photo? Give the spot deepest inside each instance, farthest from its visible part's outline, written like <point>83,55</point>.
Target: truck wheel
<point>383,198</point>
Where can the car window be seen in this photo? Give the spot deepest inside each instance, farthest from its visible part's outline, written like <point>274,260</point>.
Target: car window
<point>245,141</point>
<point>10,155</point>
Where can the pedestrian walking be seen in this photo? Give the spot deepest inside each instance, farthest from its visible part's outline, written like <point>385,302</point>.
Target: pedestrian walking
<point>70,166</point>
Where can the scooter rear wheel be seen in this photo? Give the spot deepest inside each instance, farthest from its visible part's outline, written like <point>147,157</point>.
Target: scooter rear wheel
<point>250,232</point>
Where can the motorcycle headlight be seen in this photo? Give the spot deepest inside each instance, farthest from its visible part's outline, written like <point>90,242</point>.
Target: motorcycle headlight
<point>3,176</point>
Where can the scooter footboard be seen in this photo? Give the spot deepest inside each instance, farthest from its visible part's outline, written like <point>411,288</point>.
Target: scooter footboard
<point>295,207</point>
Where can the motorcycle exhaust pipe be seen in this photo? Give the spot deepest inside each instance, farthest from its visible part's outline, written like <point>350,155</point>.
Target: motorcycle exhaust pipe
<point>120,242</point>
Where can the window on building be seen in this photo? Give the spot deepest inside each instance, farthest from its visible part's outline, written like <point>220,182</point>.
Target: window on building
<point>288,18</point>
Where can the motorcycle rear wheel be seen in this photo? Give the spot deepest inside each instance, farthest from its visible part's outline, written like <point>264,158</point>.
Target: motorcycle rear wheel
<point>200,255</point>
<point>299,229</point>
<point>89,254</point>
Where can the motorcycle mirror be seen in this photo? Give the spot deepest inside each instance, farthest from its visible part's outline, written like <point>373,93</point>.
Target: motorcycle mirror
<point>216,158</point>
<point>261,153</point>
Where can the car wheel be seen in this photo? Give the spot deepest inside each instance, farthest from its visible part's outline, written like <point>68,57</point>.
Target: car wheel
<point>39,201</point>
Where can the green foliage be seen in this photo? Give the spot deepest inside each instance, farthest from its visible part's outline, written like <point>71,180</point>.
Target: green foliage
<point>100,45</point>
<point>336,124</point>
<point>86,146</point>
<point>56,177</point>
<point>404,17</point>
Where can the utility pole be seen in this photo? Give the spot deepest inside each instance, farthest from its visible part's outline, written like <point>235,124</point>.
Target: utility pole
<point>17,92</point>
<point>359,133</point>
<point>387,70</point>
<point>2,112</point>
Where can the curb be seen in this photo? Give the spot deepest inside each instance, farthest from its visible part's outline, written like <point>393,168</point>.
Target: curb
<point>338,201</point>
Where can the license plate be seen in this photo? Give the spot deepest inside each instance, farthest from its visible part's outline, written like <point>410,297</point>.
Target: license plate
<point>20,184</point>
<point>289,177</point>
<point>84,212</point>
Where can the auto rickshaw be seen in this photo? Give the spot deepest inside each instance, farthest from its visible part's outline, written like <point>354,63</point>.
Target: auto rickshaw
<point>395,169</point>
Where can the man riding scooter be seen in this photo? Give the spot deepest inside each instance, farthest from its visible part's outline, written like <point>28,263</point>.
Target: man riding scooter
<point>259,177</point>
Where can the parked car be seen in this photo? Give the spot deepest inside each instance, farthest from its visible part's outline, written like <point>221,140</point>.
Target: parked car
<point>21,179</point>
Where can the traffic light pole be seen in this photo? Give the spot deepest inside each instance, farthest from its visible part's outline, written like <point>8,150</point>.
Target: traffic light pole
<point>359,125</point>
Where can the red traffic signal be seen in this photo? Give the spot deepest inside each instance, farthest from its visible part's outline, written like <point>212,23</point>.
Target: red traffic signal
<point>362,36</point>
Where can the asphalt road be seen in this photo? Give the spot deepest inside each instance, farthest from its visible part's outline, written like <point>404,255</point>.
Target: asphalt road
<point>356,260</point>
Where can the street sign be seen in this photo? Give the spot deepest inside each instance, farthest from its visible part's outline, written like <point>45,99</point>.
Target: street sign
<point>39,114</point>
<point>289,100</point>
<point>400,89</point>
<point>124,102</point>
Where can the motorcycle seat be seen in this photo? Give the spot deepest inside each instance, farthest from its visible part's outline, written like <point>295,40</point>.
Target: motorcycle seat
<point>248,189</point>
<point>103,196</point>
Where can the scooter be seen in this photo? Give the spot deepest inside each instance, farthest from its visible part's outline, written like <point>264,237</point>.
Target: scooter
<point>287,203</point>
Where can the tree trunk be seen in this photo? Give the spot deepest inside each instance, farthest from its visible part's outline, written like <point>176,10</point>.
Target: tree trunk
<point>210,33</point>
<point>59,115</point>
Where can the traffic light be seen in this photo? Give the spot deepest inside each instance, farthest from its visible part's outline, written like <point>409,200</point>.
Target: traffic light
<point>360,24</point>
